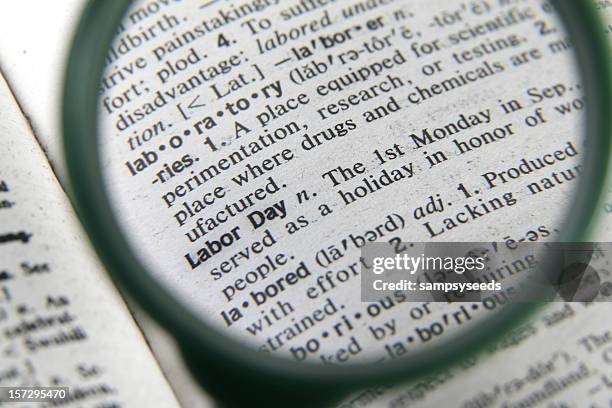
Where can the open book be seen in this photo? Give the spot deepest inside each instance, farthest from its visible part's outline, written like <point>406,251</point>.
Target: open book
<point>62,322</point>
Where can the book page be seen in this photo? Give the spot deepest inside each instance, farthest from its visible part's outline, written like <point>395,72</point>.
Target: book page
<point>514,357</point>
<point>33,50</point>
<point>264,144</point>
<point>62,322</point>
<point>33,62</point>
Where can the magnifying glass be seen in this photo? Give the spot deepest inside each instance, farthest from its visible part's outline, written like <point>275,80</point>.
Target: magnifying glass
<point>249,170</point>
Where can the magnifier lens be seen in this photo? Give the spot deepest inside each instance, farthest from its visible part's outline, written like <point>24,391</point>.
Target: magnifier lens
<point>253,153</point>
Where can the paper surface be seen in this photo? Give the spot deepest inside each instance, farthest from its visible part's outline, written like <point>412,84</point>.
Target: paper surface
<point>528,371</point>
<point>62,321</point>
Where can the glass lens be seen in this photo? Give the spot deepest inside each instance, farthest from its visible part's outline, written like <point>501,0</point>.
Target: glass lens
<point>286,169</point>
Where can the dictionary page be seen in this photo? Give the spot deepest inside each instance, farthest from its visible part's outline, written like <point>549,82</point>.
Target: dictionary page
<point>33,61</point>
<point>62,322</point>
<point>270,141</point>
<point>517,380</point>
<point>561,357</point>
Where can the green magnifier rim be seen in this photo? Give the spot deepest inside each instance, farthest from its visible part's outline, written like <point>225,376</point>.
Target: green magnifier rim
<point>214,358</point>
